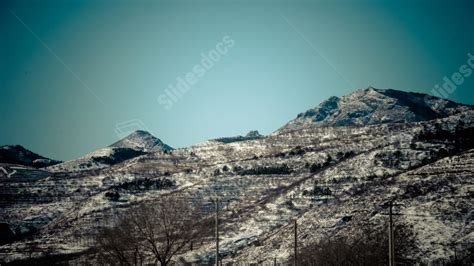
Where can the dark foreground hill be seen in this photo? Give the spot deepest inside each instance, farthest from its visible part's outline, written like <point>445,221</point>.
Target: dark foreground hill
<point>16,154</point>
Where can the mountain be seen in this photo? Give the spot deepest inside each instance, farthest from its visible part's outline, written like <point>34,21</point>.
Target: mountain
<point>98,159</point>
<point>136,144</point>
<point>329,178</point>
<point>254,134</point>
<point>141,140</point>
<point>375,106</point>
<point>16,154</point>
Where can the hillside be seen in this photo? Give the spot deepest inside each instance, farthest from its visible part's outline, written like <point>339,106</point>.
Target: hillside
<point>375,106</point>
<point>16,154</point>
<point>136,144</point>
<point>423,162</point>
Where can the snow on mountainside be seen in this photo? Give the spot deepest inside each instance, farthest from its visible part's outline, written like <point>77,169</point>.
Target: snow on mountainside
<point>375,106</point>
<point>136,144</point>
<point>98,159</point>
<point>16,154</point>
<point>141,140</point>
<point>263,184</point>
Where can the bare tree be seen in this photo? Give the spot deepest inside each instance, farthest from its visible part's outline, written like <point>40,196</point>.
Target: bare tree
<point>154,232</point>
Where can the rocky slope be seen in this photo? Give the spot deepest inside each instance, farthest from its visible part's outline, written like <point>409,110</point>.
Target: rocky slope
<point>136,144</point>
<point>265,183</point>
<point>141,140</point>
<point>375,106</point>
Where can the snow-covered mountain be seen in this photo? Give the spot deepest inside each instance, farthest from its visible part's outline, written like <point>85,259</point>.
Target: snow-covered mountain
<point>136,144</point>
<point>142,140</point>
<point>101,158</point>
<point>424,162</point>
<point>16,154</point>
<point>375,106</point>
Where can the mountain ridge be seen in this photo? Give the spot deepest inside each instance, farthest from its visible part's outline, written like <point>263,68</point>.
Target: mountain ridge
<point>17,154</point>
<point>375,106</point>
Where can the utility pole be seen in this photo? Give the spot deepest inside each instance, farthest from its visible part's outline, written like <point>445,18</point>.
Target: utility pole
<point>296,242</point>
<point>455,255</point>
<point>217,231</point>
<point>391,239</point>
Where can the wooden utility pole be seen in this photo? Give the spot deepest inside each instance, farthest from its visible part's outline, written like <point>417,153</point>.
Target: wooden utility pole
<point>296,242</point>
<point>391,239</point>
<point>217,232</point>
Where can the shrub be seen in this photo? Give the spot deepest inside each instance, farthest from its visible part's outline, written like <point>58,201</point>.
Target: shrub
<point>237,169</point>
<point>297,151</point>
<point>315,167</point>
<point>267,170</point>
<point>328,161</point>
<point>112,195</point>
<point>147,184</point>
<point>318,191</point>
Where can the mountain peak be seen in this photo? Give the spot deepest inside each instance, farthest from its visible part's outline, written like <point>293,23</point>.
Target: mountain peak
<point>375,106</point>
<point>140,132</point>
<point>141,140</point>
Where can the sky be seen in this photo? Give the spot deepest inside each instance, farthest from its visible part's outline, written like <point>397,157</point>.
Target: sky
<point>76,76</point>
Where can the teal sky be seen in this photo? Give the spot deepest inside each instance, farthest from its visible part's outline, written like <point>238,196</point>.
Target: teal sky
<point>71,72</point>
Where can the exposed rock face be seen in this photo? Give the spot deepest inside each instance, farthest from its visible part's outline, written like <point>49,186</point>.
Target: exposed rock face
<point>327,177</point>
<point>250,136</point>
<point>374,106</point>
<point>254,134</point>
